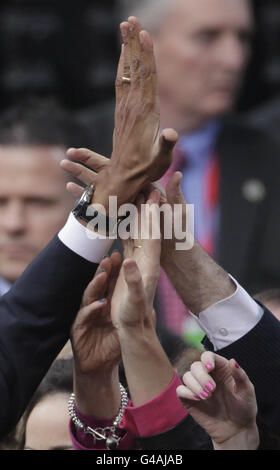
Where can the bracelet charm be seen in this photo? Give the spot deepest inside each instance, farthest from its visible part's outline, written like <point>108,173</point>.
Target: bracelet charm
<point>107,434</point>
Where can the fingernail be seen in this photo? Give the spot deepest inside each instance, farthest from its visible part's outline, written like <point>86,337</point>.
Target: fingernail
<point>129,267</point>
<point>204,394</point>
<point>123,31</point>
<point>131,27</point>
<point>209,366</point>
<point>209,386</point>
<point>106,256</point>
<point>101,270</point>
<point>115,251</point>
<point>237,365</point>
<point>197,397</point>
<point>102,300</point>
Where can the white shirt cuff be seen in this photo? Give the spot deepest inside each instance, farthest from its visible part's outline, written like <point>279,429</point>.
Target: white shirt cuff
<point>84,242</point>
<point>230,319</point>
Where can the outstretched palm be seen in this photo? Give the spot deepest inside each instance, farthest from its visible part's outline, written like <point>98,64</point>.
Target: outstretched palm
<point>94,338</point>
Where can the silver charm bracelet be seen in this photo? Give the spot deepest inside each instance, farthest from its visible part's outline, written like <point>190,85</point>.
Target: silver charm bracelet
<point>107,434</point>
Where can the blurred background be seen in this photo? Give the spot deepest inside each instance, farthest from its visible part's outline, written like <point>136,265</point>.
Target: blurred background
<point>69,49</point>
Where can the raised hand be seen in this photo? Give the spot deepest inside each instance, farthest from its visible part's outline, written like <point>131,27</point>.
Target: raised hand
<point>140,272</point>
<point>147,368</point>
<point>220,397</point>
<point>94,338</point>
<point>141,153</point>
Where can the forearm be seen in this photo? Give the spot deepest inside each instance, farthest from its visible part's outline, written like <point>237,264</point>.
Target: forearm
<point>199,281</point>
<point>147,368</point>
<point>98,394</point>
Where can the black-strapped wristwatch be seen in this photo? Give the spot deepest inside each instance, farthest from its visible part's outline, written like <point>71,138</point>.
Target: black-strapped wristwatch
<point>103,224</point>
<point>81,206</point>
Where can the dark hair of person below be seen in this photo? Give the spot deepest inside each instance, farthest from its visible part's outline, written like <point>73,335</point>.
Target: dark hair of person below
<point>59,379</point>
<point>40,122</point>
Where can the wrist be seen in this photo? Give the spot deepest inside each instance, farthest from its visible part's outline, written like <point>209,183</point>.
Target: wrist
<point>136,331</point>
<point>97,394</point>
<point>245,439</point>
<point>110,183</point>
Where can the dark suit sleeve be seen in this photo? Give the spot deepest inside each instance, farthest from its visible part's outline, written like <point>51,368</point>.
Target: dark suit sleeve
<point>35,321</point>
<point>258,353</point>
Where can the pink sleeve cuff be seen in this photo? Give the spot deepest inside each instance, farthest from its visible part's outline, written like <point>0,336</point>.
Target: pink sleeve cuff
<point>158,415</point>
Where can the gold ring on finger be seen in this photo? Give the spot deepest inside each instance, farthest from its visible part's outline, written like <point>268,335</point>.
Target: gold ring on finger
<point>126,79</point>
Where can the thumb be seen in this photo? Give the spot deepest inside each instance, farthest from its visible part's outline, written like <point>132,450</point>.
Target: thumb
<point>96,289</point>
<point>134,282</point>
<point>167,142</point>
<point>241,379</point>
<point>98,286</point>
<point>164,153</point>
<point>173,189</point>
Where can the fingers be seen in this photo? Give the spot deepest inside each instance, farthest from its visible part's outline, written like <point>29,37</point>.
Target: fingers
<point>121,87</point>
<point>135,49</point>
<point>126,52</point>
<point>242,381</point>
<point>173,189</point>
<point>185,394</point>
<point>96,289</point>
<point>132,275</point>
<point>75,190</point>
<point>148,77</point>
<point>199,383</point>
<point>154,196</point>
<point>79,171</point>
<point>214,362</point>
<point>163,149</point>
<point>104,281</point>
<point>92,160</point>
<point>168,140</point>
<point>116,263</point>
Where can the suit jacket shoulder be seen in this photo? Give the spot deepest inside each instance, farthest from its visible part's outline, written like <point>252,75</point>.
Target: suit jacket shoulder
<point>35,320</point>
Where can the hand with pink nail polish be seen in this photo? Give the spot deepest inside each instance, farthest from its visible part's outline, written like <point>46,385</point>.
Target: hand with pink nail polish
<point>221,399</point>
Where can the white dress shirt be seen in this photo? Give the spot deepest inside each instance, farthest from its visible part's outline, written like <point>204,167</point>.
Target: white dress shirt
<point>224,322</point>
<point>4,286</point>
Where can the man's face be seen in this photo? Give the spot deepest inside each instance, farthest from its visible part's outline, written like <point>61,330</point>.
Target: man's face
<point>201,51</point>
<point>33,204</point>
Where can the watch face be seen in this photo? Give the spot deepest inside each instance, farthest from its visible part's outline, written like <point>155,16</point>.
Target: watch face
<point>77,203</point>
<point>82,203</point>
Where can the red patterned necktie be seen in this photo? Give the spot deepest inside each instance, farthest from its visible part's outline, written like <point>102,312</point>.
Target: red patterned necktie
<point>171,307</point>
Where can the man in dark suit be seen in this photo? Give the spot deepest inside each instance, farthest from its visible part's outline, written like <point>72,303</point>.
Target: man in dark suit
<point>202,49</point>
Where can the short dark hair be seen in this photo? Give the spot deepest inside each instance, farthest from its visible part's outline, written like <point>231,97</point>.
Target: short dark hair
<point>41,122</point>
<point>59,379</point>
